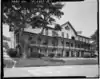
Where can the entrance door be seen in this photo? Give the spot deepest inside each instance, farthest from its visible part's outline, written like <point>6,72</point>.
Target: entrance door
<point>78,53</point>
<point>67,54</point>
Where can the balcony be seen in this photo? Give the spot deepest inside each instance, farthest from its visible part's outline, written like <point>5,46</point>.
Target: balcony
<point>51,46</point>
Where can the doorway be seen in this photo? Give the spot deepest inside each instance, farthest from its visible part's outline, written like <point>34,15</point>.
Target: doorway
<point>67,53</point>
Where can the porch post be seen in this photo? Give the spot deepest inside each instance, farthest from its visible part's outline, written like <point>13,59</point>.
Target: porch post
<point>56,53</point>
<point>75,53</point>
<point>63,53</point>
<point>80,54</point>
<point>70,54</point>
<point>47,53</point>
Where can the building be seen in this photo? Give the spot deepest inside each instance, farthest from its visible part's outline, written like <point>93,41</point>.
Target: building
<point>66,43</point>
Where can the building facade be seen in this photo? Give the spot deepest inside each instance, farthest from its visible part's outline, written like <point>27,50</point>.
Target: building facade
<point>65,43</point>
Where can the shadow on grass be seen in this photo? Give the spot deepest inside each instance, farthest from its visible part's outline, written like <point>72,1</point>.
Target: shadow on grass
<point>46,61</point>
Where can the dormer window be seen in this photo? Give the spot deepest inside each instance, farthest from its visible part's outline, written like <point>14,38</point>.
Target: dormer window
<point>73,38</point>
<point>62,34</point>
<point>67,35</point>
<point>67,28</point>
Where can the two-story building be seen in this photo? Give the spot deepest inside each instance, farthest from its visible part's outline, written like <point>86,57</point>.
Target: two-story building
<point>66,42</point>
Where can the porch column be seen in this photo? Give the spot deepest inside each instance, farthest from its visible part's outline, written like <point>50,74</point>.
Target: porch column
<point>80,54</point>
<point>28,52</point>
<point>12,40</point>
<point>63,53</point>
<point>39,50</point>
<point>75,53</point>
<point>56,53</point>
<point>70,54</point>
<point>47,53</point>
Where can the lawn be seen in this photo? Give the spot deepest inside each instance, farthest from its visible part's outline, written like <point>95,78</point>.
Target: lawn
<point>34,62</point>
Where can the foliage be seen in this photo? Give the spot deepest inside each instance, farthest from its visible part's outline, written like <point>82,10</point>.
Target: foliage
<point>12,52</point>
<point>5,45</point>
<point>6,38</point>
<point>58,27</point>
<point>33,13</point>
<point>95,38</point>
<point>36,55</point>
<point>37,14</point>
<point>51,55</point>
<point>5,42</point>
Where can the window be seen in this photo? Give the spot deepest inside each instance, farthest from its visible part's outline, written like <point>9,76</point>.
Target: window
<point>73,37</point>
<point>88,40</point>
<point>78,45</point>
<point>67,35</point>
<point>33,42</point>
<point>62,34</point>
<point>46,31</point>
<point>45,42</point>
<point>30,38</point>
<point>82,39</point>
<point>62,42</point>
<point>67,28</point>
<point>67,43</point>
<point>85,40</point>
<point>11,29</point>
<point>79,38</point>
<point>54,33</point>
<point>71,44</point>
<point>40,50</point>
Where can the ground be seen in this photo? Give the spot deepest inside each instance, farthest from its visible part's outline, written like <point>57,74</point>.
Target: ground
<point>53,67</point>
<point>34,62</point>
<point>68,70</point>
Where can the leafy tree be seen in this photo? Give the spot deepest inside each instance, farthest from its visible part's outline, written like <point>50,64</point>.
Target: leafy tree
<point>37,14</point>
<point>6,38</point>
<point>95,38</point>
<point>5,44</point>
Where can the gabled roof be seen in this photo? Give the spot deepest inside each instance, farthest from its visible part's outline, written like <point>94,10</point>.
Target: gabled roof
<point>70,26</point>
<point>74,30</point>
<point>83,36</point>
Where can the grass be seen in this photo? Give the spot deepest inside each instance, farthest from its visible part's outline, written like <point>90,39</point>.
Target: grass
<point>36,62</point>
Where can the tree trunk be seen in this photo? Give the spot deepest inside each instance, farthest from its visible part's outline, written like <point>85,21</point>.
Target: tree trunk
<point>38,36</point>
<point>23,43</point>
<point>47,43</point>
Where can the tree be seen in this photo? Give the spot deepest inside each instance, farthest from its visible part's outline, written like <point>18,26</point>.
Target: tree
<point>94,37</point>
<point>5,44</point>
<point>37,14</point>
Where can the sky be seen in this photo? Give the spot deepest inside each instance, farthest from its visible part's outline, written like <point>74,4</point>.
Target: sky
<point>81,15</point>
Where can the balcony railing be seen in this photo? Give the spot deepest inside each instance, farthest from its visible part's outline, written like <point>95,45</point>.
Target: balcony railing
<point>51,46</point>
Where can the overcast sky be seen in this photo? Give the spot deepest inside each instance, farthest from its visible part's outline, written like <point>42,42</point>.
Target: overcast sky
<point>82,15</point>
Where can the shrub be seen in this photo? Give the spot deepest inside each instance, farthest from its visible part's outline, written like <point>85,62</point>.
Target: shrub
<point>94,56</point>
<point>51,55</point>
<point>36,55</point>
<point>12,52</point>
<point>59,55</point>
<point>87,56</point>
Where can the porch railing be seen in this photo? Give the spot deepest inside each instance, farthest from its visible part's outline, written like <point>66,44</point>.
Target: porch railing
<point>51,46</point>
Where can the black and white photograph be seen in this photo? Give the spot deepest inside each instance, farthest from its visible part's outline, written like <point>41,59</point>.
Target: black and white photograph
<point>44,38</point>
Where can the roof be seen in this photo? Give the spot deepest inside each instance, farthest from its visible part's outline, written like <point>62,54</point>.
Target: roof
<point>70,26</point>
<point>84,36</point>
<point>74,29</point>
